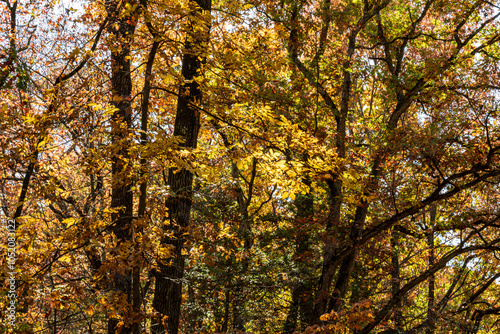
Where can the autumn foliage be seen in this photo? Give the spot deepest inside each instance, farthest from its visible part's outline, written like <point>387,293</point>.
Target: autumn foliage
<point>253,166</point>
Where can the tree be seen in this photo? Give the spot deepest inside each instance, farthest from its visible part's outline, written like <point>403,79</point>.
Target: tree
<point>168,287</point>
<point>296,166</point>
<point>123,19</point>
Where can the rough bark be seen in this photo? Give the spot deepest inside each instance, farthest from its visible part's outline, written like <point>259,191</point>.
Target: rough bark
<point>396,279</point>
<point>122,28</point>
<point>168,289</point>
<point>302,303</point>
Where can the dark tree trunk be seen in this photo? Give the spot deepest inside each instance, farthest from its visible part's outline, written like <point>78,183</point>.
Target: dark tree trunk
<point>302,304</point>
<point>168,289</point>
<point>396,279</point>
<point>227,300</point>
<point>329,252</point>
<point>344,276</point>
<point>122,27</point>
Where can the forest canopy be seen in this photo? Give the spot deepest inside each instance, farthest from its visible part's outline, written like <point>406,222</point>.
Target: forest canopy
<point>250,166</point>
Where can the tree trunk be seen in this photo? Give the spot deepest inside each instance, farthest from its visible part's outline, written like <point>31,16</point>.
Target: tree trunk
<point>302,294</point>
<point>227,300</point>
<point>122,27</point>
<point>396,279</point>
<point>328,270</point>
<point>168,289</point>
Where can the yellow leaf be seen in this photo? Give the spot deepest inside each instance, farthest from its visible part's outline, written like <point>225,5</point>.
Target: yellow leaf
<point>70,221</point>
<point>41,145</point>
<point>65,258</point>
<point>90,311</point>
